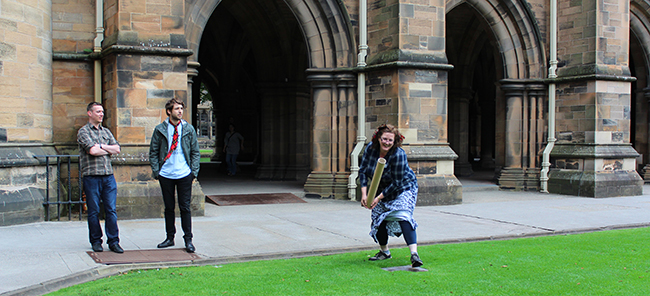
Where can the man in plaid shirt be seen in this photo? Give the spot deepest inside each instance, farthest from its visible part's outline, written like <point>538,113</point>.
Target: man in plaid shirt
<point>96,145</point>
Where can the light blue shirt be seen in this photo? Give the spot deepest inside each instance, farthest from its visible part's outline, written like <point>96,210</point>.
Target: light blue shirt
<point>176,166</point>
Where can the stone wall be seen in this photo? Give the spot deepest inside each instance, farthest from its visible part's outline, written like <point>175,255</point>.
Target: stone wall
<point>72,91</point>
<point>139,195</point>
<point>25,71</point>
<point>22,183</point>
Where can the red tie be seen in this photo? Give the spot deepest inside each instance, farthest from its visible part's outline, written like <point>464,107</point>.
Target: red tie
<point>174,141</point>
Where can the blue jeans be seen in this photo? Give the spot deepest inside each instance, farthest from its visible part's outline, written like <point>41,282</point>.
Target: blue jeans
<point>231,161</point>
<point>101,189</point>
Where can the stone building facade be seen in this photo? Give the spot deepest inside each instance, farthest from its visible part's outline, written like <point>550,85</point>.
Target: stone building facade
<point>466,81</point>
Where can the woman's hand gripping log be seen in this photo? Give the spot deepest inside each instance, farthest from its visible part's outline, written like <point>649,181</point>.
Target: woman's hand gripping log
<point>369,201</point>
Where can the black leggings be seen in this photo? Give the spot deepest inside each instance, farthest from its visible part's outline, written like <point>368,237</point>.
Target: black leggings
<point>407,230</point>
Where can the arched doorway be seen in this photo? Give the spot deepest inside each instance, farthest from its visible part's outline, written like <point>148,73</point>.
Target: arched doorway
<point>472,91</point>
<point>252,60</point>
<point>496,90</point>
<point>276,67</point>
<point>639,47</point>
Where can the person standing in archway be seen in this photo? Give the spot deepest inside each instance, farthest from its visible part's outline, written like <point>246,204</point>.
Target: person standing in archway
<point>392,209</point>
<point>233,144</point>
<point>174,156</point>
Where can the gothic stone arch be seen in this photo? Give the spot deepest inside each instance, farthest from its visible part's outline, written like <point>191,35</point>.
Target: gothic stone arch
<point>519,68</point>
<point>329,127</point>
<point>640,54</point>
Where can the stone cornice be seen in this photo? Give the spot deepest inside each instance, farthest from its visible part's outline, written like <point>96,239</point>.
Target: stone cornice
<point>145,50</point>
<point>65,56</point>
<point>122,49</point>
<point>22,154</point>
<point>590,77</point>
<point>410,65</point>
<point>591,150</point>
<point>427,152</point>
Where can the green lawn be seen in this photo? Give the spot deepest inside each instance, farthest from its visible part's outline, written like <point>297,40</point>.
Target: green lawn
<point>613,262</point>
<point>205,155</point>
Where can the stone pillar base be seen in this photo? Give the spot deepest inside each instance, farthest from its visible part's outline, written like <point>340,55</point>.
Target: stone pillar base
<point>140,200</point>
<point>512,178</point>
<point>340,186</point>
<point>298,173</point>
<point>22,206</point>
<point>595,184</point>
<point>439,190</point>
<point>320,184</point>
<point>594,170</point>
<point>138,194</point>
<point>531,179</point>
<point>434,167</point>
<point>270,172</point>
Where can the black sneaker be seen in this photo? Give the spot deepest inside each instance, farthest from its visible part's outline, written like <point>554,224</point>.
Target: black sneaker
<point>380,256</point>
<point>415,260</point>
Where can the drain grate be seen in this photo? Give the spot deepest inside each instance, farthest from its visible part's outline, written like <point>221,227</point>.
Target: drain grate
<point>253,199</point>
<point>405,268</point>
<point>142,256</point>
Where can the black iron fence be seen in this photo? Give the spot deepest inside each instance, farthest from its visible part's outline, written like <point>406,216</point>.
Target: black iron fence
<point>64,201</point>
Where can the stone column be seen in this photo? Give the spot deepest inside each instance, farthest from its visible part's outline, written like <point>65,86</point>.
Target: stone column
<point>274,138</point>
<point>407,86</point>
<point>536,131</point>
<point>487,142</point>
<point>593,155</point>
<point>299,165</point>
<point>265,170</point>
<point>345,138</point>
<point>144,65</point>
<point>512,174</point>
<point>646,166</point>
<point>192,71</point>
<point>321,179</point>
<point>459,129</point>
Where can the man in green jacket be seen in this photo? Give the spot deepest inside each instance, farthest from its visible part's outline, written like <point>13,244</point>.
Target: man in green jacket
<point>174,156</point>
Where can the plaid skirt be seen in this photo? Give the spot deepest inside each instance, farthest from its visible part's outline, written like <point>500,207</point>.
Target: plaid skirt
<point>404,203</point>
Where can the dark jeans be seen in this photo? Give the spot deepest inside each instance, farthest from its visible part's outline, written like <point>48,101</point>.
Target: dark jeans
<point>104,189</point>
<point>407,230</point>
<point>231,162</point>
<point>183,188</point>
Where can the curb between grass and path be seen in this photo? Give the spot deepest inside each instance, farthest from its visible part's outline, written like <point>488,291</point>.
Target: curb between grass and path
<point>111,270</point>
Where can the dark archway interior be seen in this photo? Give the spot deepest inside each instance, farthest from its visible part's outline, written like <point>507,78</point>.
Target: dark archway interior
<point>639,121</point>
<point>472,91</point>
<point>253,59</point>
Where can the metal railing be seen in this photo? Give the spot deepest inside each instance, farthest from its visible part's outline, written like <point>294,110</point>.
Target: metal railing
<point>60,200</point>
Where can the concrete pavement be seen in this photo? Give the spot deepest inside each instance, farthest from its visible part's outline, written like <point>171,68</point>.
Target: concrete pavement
<point>43,257</point>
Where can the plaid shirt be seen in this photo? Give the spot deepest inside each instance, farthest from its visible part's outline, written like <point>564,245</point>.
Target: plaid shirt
<point>87,137</point>
<point>397,176</point>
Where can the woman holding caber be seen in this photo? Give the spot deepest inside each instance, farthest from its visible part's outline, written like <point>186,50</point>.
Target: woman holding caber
<point>392,209</point>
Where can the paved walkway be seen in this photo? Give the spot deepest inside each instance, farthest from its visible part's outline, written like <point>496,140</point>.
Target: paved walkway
<point>43,257</point>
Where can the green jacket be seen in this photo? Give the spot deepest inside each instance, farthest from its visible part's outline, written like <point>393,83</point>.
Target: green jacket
<point>160,145</point>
